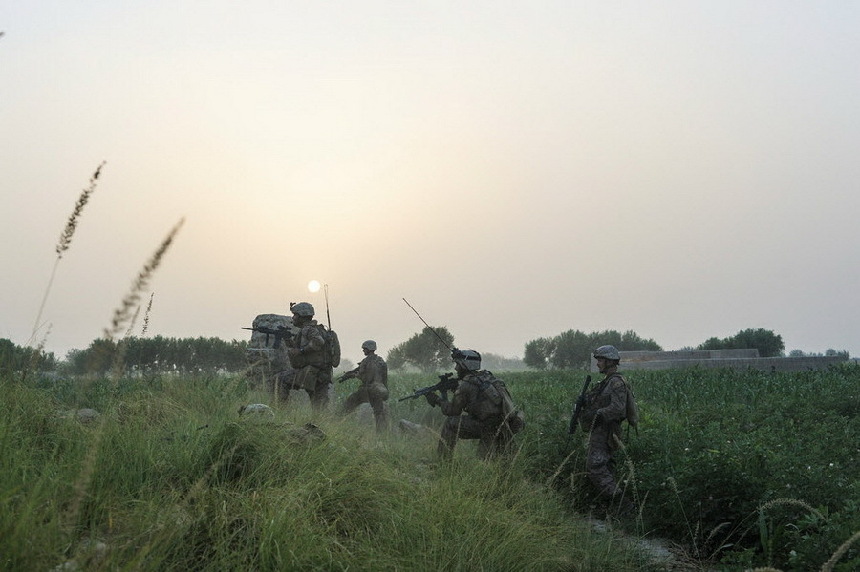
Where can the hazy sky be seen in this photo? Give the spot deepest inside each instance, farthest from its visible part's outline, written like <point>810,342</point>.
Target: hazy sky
<point>513,169</point>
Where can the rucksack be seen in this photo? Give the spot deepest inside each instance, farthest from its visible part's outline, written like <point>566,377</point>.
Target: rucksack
<point>515,417</point>
<point>631,409</point>
<point>332,346</point>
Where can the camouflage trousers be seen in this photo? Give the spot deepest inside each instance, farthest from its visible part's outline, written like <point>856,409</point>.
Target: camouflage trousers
<point>315,381</point>
<point>376,395</point>
<point>495,437</point>
<point>600,463</point>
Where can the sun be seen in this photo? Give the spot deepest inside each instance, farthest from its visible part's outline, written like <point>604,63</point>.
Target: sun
<point>314,286</point>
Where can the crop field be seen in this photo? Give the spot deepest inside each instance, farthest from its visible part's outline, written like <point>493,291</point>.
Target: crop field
<point>735,469</point>
<point>742,468</point>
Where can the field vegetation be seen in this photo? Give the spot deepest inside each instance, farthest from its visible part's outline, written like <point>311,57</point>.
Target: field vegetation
<point>169,476</point>
<point>737,469</point>
<point>741,468</point>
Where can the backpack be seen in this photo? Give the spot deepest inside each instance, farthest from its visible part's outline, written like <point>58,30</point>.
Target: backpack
<point>515,417</point>
<point>332,346</point>
<point>631,409</point>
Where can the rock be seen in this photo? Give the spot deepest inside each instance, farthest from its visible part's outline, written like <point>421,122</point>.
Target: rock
<point>256,409</point>
<point>86,415</point>
<point>308,433</point>
<point>407,426</point>
<point>92,553</point>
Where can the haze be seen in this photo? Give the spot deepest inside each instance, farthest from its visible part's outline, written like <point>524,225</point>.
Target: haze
<point>682,169</point>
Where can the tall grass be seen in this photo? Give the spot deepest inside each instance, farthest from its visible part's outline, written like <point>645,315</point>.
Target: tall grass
<point>123,313</point>
<point>176,479</point>
<point>64,242</point>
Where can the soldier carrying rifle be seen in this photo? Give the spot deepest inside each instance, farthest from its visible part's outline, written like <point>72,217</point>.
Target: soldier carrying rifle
<point>481,408</point>
<point>311,357</point>
<point>373,373</point>
<point>602,411</point>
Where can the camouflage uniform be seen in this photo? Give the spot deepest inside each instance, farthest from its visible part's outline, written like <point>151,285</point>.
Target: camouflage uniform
<point>479,396</point>
<point>313,371</point>
<point>373,373</point>
<point>602,414</point>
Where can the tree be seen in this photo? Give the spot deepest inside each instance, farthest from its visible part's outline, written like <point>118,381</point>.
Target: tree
<point>159,354</point>
<point>712,344</point>
<point>765,341</point>
<point>424,350</point>
<point>538,352</point>
<point>572,349</point>
<point>21,358</point>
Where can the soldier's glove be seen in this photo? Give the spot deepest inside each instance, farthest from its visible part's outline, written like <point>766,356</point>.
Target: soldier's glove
<point>433,399</point>
<point>580,401</point>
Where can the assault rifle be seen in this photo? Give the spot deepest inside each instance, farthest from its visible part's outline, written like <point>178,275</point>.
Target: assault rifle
<point>447,382</point>
<point>280,333</point>
<point>577,408</point>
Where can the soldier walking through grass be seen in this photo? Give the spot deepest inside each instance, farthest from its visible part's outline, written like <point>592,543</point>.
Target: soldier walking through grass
<point>373,373</point>
<point>481,409</point>
<point>603,410</point>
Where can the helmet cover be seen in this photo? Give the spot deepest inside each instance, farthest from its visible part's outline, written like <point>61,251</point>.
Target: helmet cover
<point>302,309</point>
<point>607,352</point>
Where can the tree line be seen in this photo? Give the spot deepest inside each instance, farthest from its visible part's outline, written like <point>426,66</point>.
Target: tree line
<point>14,358</point>
<point>572,349</point>
<point>159,354</point>
<point>427,351</point>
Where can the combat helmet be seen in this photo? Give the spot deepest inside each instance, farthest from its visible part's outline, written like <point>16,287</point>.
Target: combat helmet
<point>607,352</point>
<point>303,309</point>
<point>470,359</point>
<point>369,345</point>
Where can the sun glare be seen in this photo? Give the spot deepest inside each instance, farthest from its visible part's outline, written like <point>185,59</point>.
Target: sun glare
<point>314,286</point>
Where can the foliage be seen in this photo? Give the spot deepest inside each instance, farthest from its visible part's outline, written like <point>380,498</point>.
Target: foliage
<point>829,352</point>
<point>15,358</point>
<point>171,478</point>
<point>537,352</point>
<point>572,349</point>
<point>745,469</point>
<point>159,354</point>
<point>766,342</point>
<point>423,350</point>
<point>713,448</point>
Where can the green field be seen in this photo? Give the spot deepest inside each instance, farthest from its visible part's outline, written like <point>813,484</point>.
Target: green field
<point>738,469</point>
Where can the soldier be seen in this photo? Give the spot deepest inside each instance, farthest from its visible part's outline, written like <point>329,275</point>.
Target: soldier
<point>373,373</point>
<point>603,410</point>
<point>489,413</point>
<point>309,357</point>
